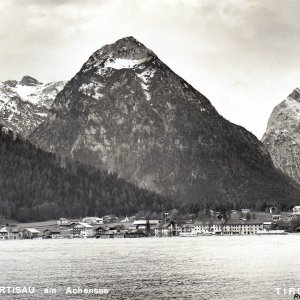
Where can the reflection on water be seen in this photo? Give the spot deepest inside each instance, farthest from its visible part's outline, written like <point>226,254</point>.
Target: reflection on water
<point>240,267</point>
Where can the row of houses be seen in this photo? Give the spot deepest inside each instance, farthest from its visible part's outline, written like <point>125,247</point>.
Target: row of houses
<point>93,220</point>
<point>198,228</point>
<point>95,227</point>
<point>75,230</point>
<point>78,230</point>
<point>14,233</point>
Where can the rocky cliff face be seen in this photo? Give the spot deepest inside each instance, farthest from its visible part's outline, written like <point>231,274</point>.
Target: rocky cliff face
<point>25,104</point>
<point>282,137</point>
<point>127,112</point>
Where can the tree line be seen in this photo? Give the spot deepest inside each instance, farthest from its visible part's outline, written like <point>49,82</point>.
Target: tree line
<point>37,185</point>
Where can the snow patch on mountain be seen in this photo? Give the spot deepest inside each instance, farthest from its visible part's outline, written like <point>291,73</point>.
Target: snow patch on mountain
<point>294,106</point>
<point>42,94</point>
<point>6,93</point>
<point>25,104</point>
<point>92,89</point>
<point>145,76</point>
<point>28,93</point>
<point>123,63</point>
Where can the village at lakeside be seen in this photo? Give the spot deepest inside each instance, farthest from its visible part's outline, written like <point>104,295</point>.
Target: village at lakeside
<point>170,224</point>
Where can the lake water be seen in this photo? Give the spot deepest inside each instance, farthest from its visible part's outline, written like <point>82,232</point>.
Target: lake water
<point>220,267</point>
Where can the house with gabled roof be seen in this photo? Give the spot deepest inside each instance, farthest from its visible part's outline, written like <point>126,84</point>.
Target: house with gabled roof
<point>63,222</point>
<point>51,234</point>
<point>4,234</point>
<point>167,229</point>
<point>14,233</point>
<point>30,233</point>
<point>143,224</point>
<point>81,229</point>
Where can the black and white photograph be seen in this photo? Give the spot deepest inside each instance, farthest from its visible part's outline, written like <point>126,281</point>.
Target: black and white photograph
<point>149,149</point>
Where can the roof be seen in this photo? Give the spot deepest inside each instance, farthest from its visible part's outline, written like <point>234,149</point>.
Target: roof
<point>144,222</point>
<point>12,229</point>
<point>108,216</point>
<point>32,230</point>
<point>215,222</point>
<point>3,229</point>
<point>84,225</point>
<point>51,231</point>
<point>101,227</point>
<point>240,222</point>
<point>92,218</point>
<point>188,226</point>
<point>165,225</point>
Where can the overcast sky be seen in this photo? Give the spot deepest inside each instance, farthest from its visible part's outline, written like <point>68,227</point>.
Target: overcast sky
<point>243,55</point>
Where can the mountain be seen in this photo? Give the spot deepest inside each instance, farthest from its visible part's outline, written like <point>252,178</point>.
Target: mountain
<point>36,185</point>
<point>128,112</point>
<point>282,137</point>
<point>25,104</point>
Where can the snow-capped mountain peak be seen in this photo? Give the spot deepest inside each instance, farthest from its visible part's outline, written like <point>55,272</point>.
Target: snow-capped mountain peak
<point>25,104</point>
<point>124,53</point>
<point>127,112</point>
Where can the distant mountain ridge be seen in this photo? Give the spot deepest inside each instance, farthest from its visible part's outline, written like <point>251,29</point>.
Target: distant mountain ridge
<point>25,104</point>
<point>129,113</point>
<point>282,136</point>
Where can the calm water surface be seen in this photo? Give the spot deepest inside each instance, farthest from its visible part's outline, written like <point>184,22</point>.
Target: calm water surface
<point>241,267</point>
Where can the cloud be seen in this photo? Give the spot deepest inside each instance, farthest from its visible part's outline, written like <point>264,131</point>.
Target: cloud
<point>212,44</point>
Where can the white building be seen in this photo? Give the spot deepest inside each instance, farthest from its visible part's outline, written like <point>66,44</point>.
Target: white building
<point>142,224</point>
<point>296,209</point>
<point>203,227</point>
<point>241,227</point>
<point>126,220</point>
<point>63,221</point>
<point>30,233</point>
<point>276,217</point>
<point>93,220</point>
<point>4,234</point>
<point>81,229</point>
<point>14,233</point>
<point>187,228</point>
<point>268,225</point>
<point>167,229</point>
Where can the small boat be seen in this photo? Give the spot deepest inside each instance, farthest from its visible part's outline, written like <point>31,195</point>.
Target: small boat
<point>271,232</point>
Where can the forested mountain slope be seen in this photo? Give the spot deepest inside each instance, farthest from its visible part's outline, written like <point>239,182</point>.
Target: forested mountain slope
<point>36,185</point>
